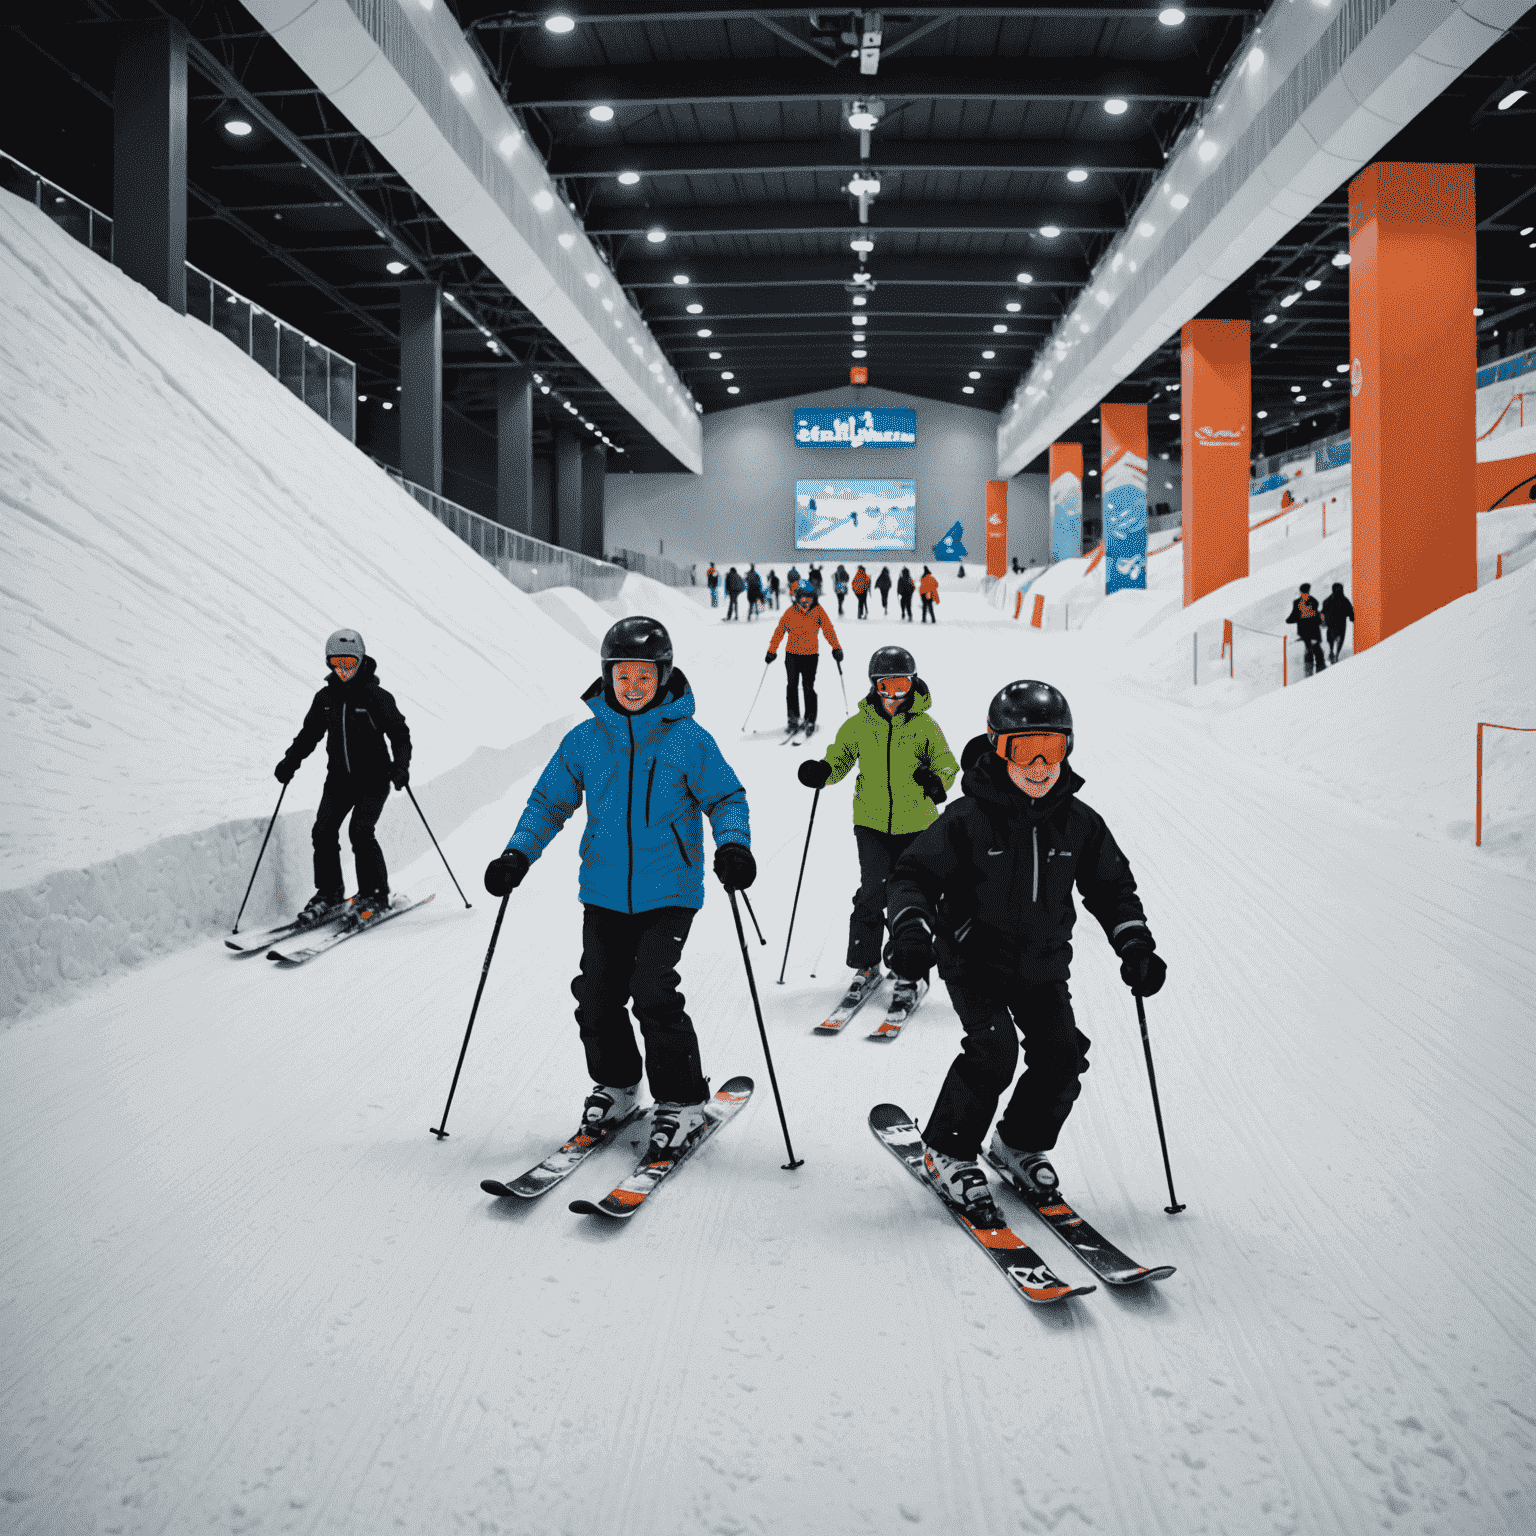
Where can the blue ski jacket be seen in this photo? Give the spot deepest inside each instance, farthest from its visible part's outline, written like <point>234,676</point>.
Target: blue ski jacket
<point>649,780</point>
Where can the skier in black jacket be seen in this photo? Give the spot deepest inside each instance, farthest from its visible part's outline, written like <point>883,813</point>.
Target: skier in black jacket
<point>987,891</point>
<point>1338,612</point>
<point>355,716</point>
<point>1307,618</point>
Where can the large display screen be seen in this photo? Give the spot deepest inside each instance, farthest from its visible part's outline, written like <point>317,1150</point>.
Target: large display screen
<point>855,514</point>
<point>847,426</point>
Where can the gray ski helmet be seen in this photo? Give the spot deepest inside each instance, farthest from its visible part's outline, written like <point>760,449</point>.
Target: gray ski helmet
<point>892,661</point>
<point>345,642</point>
<point>1029,706</point>
<point>638,639</point>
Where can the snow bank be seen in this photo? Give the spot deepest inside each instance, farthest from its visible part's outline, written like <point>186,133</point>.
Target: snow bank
<point>643,594</point>
<point>181,535</point>
<point>576,613</point>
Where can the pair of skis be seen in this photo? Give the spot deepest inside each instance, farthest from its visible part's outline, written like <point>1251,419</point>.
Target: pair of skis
<point>796,735</point>
<point>856,996</point>
<point>326,932</point>
<point>1024,1269</point>
<point>626,1198</point>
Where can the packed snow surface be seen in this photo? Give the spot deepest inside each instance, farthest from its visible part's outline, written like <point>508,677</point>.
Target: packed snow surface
<point>248,1291</point>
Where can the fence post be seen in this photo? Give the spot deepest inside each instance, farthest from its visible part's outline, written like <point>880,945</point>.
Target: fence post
<point>1039,609</point>
<point>1285,662</point>
<point>1018,602</point>
<point>1498,569</point>
<point>1479,842</point>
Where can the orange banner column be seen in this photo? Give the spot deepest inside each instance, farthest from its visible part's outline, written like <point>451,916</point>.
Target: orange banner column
<point>1413,383</point>
<point>997,527</point>
<point>1064,476</point>
<point>1216,397</point>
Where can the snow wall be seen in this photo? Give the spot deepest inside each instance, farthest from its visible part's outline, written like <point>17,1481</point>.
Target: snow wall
<point>181,535</point>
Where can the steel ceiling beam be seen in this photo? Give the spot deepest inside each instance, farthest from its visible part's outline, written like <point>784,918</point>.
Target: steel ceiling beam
<point>615,12</point>
<point>839,219</point>
<point>813,271</point>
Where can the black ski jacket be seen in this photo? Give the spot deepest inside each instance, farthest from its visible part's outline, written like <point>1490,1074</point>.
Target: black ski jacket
<point>1304,615</point>
<point>734,585</point>
<point>883,582</point>
<point>1337,611</point>
<point>993,879</point>
<point>355,718</point>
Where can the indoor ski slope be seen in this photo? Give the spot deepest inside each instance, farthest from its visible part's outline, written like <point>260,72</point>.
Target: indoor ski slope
<point>244,1290</point>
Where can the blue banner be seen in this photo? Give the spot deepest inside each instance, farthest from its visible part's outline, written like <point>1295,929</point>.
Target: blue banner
<point>1066,517</point>
<point>951,546</point>
<point>1125,523</point>
<point>847,426</point>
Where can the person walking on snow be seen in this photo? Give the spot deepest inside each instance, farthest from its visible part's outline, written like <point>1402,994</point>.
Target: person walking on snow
<point>712,579</point>
<point>987,891</point>
<point>840,586</point>
<point>905,772</point>
<point>1338,612</point>
<point>883,587</point>
<point>650,774</point>
<point>804,622</point>
<point>734,587</point>
<point>905,587</point>
<point>1307,618</point>
<point>773,590</point>
<point>861,591</point>
<point>754,592</point>
<point>357,718</point>
<point>928,590</point>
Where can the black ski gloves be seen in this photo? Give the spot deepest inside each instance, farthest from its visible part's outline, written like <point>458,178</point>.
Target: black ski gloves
<point>1142,969</point>
<point>837,656</point>
<point>503,875</point>
<point>401,776</point>
<point>285,770</point>
<point>910,950</point>
<point>735,866</point>
<point>814,772</point>
<point>770,658</point>
<point>930,783</point>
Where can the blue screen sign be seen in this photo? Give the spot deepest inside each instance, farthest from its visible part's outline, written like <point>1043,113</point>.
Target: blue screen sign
<point>855,427</point>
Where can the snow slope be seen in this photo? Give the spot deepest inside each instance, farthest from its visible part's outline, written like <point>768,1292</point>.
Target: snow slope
<point>181,535</point>
<point>255,1295</point>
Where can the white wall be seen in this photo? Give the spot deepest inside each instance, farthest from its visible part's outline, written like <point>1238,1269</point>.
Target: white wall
<point>743,506</point>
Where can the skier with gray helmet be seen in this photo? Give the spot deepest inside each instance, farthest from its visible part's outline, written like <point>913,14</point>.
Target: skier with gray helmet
<point>368,748</point>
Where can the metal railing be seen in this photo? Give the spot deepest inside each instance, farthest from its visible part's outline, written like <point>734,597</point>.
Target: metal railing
<point>323,379</point>
<point>655,566</point>
<point>526,562</point>
<point>1324,452</point>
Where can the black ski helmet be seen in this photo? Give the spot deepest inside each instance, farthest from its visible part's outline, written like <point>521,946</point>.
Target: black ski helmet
<point>892,661</point>
<point>638,639</point>
<point>808,589</point>
<point>1029,706</point>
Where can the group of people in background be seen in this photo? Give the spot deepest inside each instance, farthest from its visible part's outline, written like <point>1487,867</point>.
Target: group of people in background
<point>762,592</point>
<point>1336,612</point>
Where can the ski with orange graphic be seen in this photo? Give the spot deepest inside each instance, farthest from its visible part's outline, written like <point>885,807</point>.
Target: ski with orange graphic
<point>623,1201</point>
<point>543,1177</point>
<point>1025,1270</point>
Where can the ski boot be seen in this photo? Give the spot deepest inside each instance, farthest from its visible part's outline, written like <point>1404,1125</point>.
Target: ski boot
<point>793,726</point>
<point>810,729</point>
<point>368,904</point>
<point>606,1109</point>
<point>675,1130</point>
<point>962,1184</point>
<point>318,908</point>
<point>905,995</point>
<point>1036,1179</point>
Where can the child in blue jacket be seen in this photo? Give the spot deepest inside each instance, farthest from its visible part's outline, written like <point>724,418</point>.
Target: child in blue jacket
<point>649,774</point>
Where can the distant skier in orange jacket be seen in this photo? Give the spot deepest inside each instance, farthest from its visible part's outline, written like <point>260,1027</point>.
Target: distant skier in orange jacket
<point>928,591</point>
<point>804,622</point>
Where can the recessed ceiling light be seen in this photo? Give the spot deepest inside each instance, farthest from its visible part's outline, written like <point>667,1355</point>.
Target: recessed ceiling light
<point>463,82</point>
<point>1173,415</point>
<point>706,333</point>
<point>680,278</point>
<point>1209,150</point>
<point>732,389</point>
<point>1146,230</point>
<point>1312,284</point>
<point>695,309</point>
<point>1179,201</point>
<point>1516,293</point>
<point>1077,173</point>
<point>1295,389</point>
<point>1301,399</point>
<point>567,240</point>
<point>543,201</point>
<point>1263,414</point>
<point>559,23</point>
<point>238,127</point>
<point>715,357</point>
<point>988,356</point>
<point>656,236</point>
<point>1529,229</point>
<point>861,119</point>
<point>860,352</point>
<point>727,375</point>
<point>1000,330</point>
<point>1342,259</point>
<point>859,299</point>
<point>509,142</point>
<point>629,178</point>
<point>1050,231</point>
<point>1341,367</point>
<point>1477,312</point>
<point>601,113</point>
<point>1270,319</point>
<point>1288,300</point>
<point>1115,106</point>
<point>1013,309</point>
<point>861,319</point>
<point>1255,60</point>
<point>1171,16</point>
<point>396,267</point>
<point>1024,277</point>
<point>973,374</point>
<point>1508,101</point>
<point>861,243</point>
<point>388,405</point>
<point>967,389</point>
<point>593,279</point>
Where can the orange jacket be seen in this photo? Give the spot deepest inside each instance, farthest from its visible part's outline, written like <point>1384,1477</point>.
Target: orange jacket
<point>929,587</point>
<point>802,631</point>
<point>861,582</point>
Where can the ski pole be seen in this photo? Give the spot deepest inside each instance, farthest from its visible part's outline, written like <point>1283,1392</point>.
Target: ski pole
<point>440,1130</point>
<point>763,679</point>
<point>1157,1109</point>
<point>843,685</point>
<point>746,959</point>
<point>753,915</point>
<point>443,856</point>
<point>815,800</point>
<point>241,913</point>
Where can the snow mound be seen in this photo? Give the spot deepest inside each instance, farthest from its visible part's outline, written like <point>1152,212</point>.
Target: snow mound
<point>181,535</point>
<point>576,613</point>
<point>656,600</point>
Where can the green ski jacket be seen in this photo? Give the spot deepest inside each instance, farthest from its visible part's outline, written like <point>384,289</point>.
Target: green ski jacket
<point>887,749</point>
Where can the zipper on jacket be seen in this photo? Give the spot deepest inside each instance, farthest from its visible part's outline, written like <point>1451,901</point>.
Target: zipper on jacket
<point>677,837</point>
<point>1034,837</point>
<point>346,756</point>
<point>650,779</point>
<point>890,788</point>
<point>629,815</point>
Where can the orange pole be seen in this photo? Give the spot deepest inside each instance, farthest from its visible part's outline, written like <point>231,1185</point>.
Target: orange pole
<point>1018,602</point>
<point>1498,569</point>
<point>1039,609</point>
<point>1215,413</point>
<point>997,527</point>
<point>1285,663</point>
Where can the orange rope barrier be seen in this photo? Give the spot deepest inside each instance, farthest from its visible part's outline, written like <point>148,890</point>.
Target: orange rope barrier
<point>1492,726</point>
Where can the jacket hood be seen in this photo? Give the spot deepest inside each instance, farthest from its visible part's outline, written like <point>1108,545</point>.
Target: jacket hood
<point>368,672</point>
<point>674,702</point>
<point>985,778</point>
<point>918,701</point>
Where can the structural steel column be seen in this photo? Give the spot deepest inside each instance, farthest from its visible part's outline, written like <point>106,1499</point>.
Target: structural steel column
<point>421,384</point>
<point>1064,465</point>
<point>594,467</point>
<point>1216,391</point>
<point>149,159</point>
<point>514,449</point>
<point>1123,468</point>
<point>1413,387</point>
<point>568,490</point>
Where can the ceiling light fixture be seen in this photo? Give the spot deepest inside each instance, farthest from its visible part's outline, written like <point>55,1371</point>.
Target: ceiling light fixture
<point>1255,61</point>
<point>861,319</point>
<point>1263,414</point>
<point>593,279</point>
<point>727,376</point>
<point>1171,16</point>
<point>695,309</point>
<point>1529,229</point>
<point>396,267</point>
<point>1341,367</point>
<point>629,178</point>
<point>543,201</point>
<point>1508,101</point>
<point>567,240</point>
<point>1270,320</point>
<point>715,357</point>
<point>1208,150</point>
<point>973,374</point>
<point>656,236</point>
<point>967,389</point>
<point>463,82</point>
<point>1050,231</point>
<point>1179,201</point>
<point>559,24</point>
<point>1477,312</point>
<point>601,113</point>
<point>509,142</point>
<point>1288,300</point>
<point>1341,259</point>
<point>1000,330</point>
<point>1013,309</point>
<point>705,334</point>
<point>861,243</point>
<point>988,356</point>
<point>680,278</point>
<point>732,389</point>
<point>859,299</point>
<point>1146,229</point>
<point>1516,293</point>
<point>1077,173</point>
<point>238,127</point>
<point>1312,284</point>
<point>1115,106</point>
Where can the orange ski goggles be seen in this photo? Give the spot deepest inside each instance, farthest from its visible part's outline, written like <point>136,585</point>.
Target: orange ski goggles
<point>1025,746</point>
<point>893,687</point>
<point>345,667</point>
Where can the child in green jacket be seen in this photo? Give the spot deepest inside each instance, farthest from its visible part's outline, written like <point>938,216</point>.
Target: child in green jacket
<point>905,770</point>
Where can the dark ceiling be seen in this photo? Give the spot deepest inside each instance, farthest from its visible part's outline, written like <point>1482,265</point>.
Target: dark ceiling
<point>735,120</point>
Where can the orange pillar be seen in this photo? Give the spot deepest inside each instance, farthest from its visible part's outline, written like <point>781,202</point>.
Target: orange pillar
<point>1216,398</point>
<point>997,527</point>
<point>1413,382</point>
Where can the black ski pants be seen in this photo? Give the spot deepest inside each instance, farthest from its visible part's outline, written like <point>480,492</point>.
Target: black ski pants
<point>906,607</point>
<point>340,796</point>
<point>863,604</point>
<point>878,852</point>
<point>1055,1058</point>
<point>930,617</point>
<point>633,958</point>
<point>841,596</point>
<point>796,668</point>
<point>1335,642</point>
<point>730,610</point>
<point>1312,658</point>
